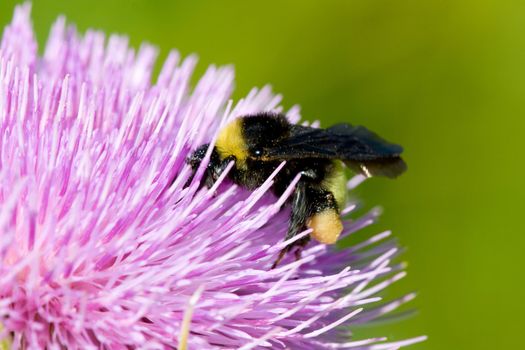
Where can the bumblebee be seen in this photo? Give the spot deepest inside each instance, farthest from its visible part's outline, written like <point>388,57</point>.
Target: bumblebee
<point>257,144</point>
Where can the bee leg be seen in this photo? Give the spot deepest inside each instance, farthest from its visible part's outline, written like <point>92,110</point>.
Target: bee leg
<point>216,168</point>
<point>213,169</point>
<point>300,213</point>
<point>315,208</point>
<point>280,257</point>
<point>194,160</point>
<point>300,246</point>
<point>324,218</point>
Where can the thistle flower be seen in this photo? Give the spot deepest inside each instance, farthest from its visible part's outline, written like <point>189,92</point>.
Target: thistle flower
<point>103,247</point>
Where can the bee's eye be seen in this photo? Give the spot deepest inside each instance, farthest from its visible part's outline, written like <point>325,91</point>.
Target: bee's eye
<point>257,152</point>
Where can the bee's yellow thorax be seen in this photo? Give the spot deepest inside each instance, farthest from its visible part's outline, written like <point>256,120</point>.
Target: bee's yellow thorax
<point>230,142</point>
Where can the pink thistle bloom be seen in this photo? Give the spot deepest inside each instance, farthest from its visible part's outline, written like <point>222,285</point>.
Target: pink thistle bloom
<point>100,250</point>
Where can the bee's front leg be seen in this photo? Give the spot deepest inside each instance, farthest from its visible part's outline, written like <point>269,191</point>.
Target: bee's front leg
<point>212,171</point>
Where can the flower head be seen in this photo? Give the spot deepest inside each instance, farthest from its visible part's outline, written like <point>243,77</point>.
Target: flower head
<point>102,245</point>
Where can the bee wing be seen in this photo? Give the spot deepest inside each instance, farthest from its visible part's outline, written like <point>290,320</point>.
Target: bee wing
<point>361,149</point>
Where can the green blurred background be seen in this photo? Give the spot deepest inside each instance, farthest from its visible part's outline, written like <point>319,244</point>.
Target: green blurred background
<point>444,78</point>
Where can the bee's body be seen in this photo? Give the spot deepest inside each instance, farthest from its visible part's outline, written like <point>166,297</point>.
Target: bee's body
<point>258,144</point>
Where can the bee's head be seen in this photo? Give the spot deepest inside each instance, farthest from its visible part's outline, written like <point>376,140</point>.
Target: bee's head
<point>251,136</point>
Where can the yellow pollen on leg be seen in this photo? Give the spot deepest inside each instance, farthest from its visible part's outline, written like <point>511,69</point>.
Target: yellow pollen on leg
<point>326,226</point>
